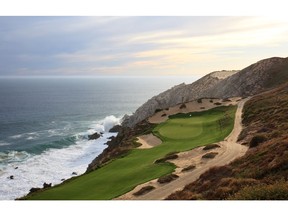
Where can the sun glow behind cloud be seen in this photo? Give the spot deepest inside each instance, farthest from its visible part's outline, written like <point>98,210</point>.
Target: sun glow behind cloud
<point>137,45</point>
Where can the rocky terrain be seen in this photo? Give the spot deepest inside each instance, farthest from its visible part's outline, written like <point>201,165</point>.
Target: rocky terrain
<point>252,80</point>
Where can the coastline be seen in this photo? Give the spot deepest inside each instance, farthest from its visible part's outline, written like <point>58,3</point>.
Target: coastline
<point>48,167</point>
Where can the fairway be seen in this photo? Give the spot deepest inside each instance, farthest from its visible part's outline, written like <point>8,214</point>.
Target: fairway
<point>180,132</point>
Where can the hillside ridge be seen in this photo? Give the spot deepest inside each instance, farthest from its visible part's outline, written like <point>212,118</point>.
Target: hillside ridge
<point>251,80</point>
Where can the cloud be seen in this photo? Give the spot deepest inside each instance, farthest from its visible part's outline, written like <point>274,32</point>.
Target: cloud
<point>136,45</point>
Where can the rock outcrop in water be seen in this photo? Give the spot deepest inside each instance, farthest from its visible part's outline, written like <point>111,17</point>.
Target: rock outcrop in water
<point>94,136</point>
<point>222,84</point>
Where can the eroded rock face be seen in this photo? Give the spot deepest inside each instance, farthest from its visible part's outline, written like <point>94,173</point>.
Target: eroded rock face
<point>221,84</point>
<point>178,94</point>
<point>115,129</point>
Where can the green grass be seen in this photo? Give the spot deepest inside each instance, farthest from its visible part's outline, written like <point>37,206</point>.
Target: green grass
<point>179,133</point>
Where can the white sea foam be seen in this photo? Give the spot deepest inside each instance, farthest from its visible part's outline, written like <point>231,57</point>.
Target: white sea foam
<point>55,132</point>
<point>17,136</point>
<point>52,165</point>
<point>109,122</point>
<point>4,143</point>
<point>27,136</point>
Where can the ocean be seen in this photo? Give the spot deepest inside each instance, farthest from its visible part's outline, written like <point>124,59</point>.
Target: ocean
<point>45,123</point>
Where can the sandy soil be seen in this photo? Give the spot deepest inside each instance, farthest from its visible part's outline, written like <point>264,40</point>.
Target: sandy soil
<point>148,141</point>
<point>229,150</point>
<point>192,106</point>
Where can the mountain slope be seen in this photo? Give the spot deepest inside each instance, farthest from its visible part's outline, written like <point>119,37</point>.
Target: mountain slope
<point>252,80</point>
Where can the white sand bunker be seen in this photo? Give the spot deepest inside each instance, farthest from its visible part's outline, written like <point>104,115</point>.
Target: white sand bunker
<point>148,141</point>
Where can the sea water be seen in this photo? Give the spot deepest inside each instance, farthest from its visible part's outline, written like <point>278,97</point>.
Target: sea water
<point>45,123</point>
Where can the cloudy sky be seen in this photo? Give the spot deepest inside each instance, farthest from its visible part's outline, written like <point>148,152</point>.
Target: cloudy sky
<point>136,46</point>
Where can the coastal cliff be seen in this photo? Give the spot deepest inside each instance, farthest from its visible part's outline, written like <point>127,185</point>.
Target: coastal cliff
<point>252,80</point>
<point>178,94</point>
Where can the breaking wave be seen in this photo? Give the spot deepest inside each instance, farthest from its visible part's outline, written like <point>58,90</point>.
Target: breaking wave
<point>54,164</point>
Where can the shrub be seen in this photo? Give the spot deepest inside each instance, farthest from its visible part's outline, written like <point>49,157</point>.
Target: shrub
<point>167,178</point>
<point>276,191</point>
<point>158,110</point>
<point>202,107</point>
<point>183,106</point>
<point>217,103</point>
<point>144,190</point>
<point>243,134</point>
<point>199,100</point>
<point>275,134</point>
<point>170,156</point>
<point>222,192</point>
<point>211,101</point>
<point>210,155</point>
<point>184,195</point>
<point>256,140</point>
<point>226,100</point>
<point>163,115</point>
<point>188,168</point>
<point>211,146</point>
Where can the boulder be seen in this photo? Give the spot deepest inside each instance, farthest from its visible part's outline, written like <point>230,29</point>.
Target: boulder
<point>32,190</point>
<point>45,185</point>
<point>115,129</point>
<point>94,136</point>
<point>74,173</point>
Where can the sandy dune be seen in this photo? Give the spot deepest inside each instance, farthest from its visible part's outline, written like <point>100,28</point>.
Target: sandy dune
<point>229,150</point>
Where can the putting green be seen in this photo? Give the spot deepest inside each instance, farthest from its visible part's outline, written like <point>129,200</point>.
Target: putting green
<point>180,133</point>
<point>181,129</point>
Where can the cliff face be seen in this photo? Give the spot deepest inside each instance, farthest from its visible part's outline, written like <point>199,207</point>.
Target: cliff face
<point>252,80</point>
<point>176,95</point>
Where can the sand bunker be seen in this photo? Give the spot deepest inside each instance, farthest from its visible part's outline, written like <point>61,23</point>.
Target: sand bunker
<point>193,106</point>
<point>148,141</point>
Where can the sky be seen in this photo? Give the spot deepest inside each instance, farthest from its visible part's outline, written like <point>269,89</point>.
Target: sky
<point>136,45</point>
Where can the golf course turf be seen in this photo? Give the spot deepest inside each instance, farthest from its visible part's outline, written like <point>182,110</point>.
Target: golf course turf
<point>180,132</point>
